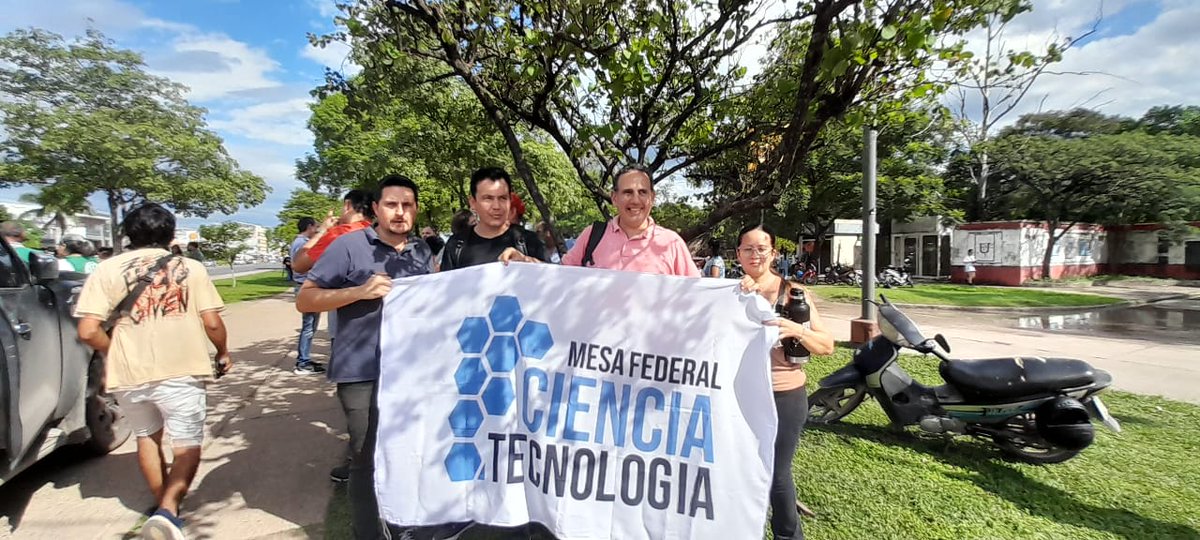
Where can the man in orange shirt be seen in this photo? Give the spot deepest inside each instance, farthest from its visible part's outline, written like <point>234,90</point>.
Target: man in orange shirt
<point>356,215</point>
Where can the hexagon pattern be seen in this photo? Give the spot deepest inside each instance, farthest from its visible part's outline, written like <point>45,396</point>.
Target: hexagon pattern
<point>535,340</point>
<point>505,314</point>
<point>498,396</point>
<point>497,339</point>
<point>502,354</point>
<point>470,376</point>
<point>465,418</point>
<point>473,335</point>
<point>462,461</point>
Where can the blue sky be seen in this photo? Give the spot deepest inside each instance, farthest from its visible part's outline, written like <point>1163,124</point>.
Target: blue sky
<point>249,63</point>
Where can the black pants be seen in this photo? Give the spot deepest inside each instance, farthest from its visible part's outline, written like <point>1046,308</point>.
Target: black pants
<point>792,407</point>
<point>362,422</point>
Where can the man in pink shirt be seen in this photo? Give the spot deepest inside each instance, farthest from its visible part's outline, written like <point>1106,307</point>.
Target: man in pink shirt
<point>632,241</point>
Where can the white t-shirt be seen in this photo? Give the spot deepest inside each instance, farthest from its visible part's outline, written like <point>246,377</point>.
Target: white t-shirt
<point>969,263</point>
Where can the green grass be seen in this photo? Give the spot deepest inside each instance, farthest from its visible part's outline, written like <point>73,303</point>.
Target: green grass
<point>252,287</point>
<point>962,295</point>
<point>866,481</point>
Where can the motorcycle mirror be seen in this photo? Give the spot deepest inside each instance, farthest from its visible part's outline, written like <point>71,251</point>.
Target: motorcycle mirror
<point>941,340</point>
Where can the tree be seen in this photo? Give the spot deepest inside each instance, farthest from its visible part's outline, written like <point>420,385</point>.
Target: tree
<point>85,117</point>
<point>225,242</point>
<point>301,204</point>
<point>55,204</point>
<point>1107,178</point>
<point>1000,79</point>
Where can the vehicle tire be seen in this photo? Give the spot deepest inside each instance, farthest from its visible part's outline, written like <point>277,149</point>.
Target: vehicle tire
<point>109,428</point>
<point>828,405</point>
<point>1036,454</point>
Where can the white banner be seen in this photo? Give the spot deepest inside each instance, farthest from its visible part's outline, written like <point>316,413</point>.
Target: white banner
<point>602,404</point>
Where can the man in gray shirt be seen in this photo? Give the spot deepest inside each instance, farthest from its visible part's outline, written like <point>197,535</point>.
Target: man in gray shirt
<point>353,276</point>
<point>308,320</point>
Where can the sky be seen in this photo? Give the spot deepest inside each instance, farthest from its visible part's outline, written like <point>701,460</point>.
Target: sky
<point>249,63</point>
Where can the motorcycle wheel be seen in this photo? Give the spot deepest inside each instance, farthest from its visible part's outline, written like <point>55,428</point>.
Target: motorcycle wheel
<point>1016,444</point>
<point>828,405</point>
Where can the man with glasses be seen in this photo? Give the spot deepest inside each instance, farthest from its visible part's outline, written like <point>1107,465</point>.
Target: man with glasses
<point>632,241</point>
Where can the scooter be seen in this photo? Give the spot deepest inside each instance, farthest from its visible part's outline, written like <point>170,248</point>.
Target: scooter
<point>1037,410</point>
<point>840,274</point>
<point>892,276</point>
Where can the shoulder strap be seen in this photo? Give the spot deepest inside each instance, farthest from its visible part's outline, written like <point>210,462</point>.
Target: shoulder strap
<point>123,309</point>
<point>458,247</point>
<point>780,296</point>
<point>594,236</point>
<point>520,234</point>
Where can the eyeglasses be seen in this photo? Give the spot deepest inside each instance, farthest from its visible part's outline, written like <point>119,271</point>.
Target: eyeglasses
<point>750,251</point>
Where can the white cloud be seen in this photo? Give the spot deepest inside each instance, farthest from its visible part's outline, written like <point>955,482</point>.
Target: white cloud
<point>326,8</point>
<point>1128,73</point>
<point>335,55</point>
<point>72,18</point>
<point>237,67</point>
<point>280,122</point>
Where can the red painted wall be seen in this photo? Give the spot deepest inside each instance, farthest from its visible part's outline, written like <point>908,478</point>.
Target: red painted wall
<point>1173,271</point>
<point>1016,275</point>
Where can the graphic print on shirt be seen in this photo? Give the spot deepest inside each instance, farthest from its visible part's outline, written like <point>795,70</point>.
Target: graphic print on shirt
<point>167,294</point>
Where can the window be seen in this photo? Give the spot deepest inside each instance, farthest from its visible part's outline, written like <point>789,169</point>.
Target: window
<point>1191,256</point>
<point>9,270</point>
<point>1164,249</point>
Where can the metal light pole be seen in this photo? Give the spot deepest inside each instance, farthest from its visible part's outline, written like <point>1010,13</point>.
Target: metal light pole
<point>868,227</point>
<point>865,327</point>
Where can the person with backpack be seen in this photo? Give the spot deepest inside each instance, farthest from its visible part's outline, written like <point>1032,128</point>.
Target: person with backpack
<point>632,241</point>
<point>493,238</point>
<point>162,311</point>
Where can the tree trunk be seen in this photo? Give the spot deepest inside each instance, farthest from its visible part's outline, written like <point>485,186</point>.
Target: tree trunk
<point>232,275</point>
<point>114,204</point>
<point>1051,240</point>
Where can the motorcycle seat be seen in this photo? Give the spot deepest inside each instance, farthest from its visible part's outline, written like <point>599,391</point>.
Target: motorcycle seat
<point>1017,376</point>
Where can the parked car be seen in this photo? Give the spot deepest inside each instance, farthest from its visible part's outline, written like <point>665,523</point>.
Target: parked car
<point>51,384</point>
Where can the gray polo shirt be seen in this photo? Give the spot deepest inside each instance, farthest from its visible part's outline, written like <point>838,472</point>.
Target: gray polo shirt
<point>350,261</point>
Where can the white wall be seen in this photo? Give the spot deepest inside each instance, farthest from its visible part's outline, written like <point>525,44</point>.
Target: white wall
<point>1026,246</point>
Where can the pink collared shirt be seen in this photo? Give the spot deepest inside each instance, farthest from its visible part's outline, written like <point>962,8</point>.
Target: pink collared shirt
<point>655,251</point>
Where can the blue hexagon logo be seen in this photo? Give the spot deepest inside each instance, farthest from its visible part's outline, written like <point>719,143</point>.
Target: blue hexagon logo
<point>505,314</point>
<point>502,354</point>
<point>535,340</point>
<point>462,462</point>
<point>473,335</point>
<point>470,376</point>
<point>498,396</point>
<point>466,418</point>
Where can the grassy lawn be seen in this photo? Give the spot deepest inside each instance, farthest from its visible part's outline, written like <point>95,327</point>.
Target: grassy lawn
<point>962,295</point>
<point>252,287</point>
<point>865,481</point>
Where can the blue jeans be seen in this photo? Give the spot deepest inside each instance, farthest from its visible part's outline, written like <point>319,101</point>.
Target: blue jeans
<point>308,327</point>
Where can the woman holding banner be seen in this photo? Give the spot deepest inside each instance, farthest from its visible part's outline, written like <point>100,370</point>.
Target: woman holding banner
<point>755,252</point>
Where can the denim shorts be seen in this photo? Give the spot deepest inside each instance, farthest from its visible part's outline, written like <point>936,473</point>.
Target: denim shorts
<point>177,403</point>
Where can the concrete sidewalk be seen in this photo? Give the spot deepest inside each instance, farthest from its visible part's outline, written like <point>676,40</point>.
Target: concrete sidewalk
<point>272,438</point>
<point>1144,366</point>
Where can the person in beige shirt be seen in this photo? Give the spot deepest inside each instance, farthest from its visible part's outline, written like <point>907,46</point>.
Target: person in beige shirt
<point>156,361</point>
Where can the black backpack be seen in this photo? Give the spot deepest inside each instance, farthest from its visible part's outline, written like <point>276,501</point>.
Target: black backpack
<point>459,242</point>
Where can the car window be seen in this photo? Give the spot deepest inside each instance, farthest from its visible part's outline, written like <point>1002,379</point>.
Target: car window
<point>10,271</point>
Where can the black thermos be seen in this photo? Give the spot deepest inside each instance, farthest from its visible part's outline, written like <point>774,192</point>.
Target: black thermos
<point>796,310</point>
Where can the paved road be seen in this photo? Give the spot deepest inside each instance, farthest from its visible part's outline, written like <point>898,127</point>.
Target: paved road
<point>243,269</point>
<point>1146,360</point>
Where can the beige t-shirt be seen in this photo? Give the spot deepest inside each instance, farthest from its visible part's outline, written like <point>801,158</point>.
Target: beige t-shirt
<point>163,337</point>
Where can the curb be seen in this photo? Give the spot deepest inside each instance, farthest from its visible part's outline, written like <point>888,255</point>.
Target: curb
<point>1042,310</point>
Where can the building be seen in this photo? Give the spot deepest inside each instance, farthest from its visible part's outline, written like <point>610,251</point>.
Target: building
<point>926,242</point>
<point>841,244</point>
<point>257,248</point>
<point>94,227</point>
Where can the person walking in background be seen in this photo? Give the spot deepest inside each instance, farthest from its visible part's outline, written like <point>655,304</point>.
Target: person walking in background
<point>14,234</point>
<point>755,253</point>
<point>193,251</point>
<point>307,228</point>
<point>156,361</point>
<point>78,254</point>
<point>715,266</point>
<point>969,266</point>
